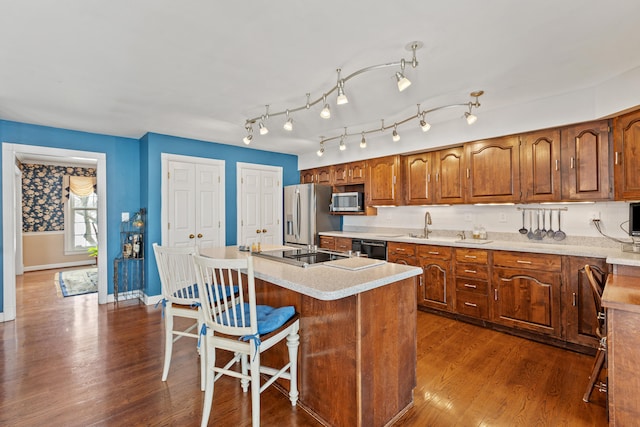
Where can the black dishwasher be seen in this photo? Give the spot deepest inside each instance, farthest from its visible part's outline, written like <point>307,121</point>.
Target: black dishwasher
<point>376,249</point>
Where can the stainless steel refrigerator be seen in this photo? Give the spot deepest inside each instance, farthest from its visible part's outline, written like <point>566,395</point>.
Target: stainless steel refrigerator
<point>306,213</point>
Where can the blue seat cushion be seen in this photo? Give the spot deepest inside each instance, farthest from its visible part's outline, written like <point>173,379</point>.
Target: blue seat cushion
<point>269,318</point>
<point>192,292</point>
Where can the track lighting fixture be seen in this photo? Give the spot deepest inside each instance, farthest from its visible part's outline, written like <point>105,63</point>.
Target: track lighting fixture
<point>342,145</point>
<point>420,115</point>
<point>320,151</point>
<point>342,98</point>
<point>326,111</point>
<point>288,125</point>
<point>247,139</point>
<point>403,82</point>
<point>394,136</point>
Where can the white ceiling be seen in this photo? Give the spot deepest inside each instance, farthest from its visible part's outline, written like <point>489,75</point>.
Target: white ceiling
<point>200,68</point>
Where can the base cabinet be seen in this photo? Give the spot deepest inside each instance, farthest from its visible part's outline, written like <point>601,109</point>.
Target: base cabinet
<point>578,306</point>
<point>472,283</point>
<point>436,287</point>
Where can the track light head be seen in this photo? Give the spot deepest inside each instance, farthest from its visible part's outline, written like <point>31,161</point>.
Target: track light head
<point>471,119</point>
<point>342,145</point>
<point>363,142</point>
<point>247,139</point>
<point>320,151</point>
<point>394,136</point>
<point>342,98</point>
<point>326,111</point>
<point>403,82</point>
<point>263,129</point>
<point>424,125</point>
<point>288,125</point>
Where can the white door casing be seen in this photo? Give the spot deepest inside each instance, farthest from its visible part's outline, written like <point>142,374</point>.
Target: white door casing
<point>193,206</point>
<point>9,152</point>
<point>259,204</point>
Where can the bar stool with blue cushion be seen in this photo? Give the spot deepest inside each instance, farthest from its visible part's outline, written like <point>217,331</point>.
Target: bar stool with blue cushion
<point>235,323</point>
<point>180,299</point>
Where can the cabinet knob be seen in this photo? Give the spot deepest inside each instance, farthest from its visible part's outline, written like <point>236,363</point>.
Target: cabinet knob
<point>258,231</point>
<point>199,235</point>
<point>264,230</point>
<point>191,236</point>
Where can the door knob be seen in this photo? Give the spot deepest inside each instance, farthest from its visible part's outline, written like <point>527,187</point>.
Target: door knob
<point>191,236</point>
<point>264,230</point>
<point>258,231</point>
<point>199,235</point>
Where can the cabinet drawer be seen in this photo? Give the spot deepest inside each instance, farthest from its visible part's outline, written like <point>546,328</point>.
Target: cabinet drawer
<point>327,242</point>
<point>438,252</point>
<point>472,271</point>
<point>528,261</point>
<point>472,255</point>
<point>343,244</point>
<point>469,285</point>
<point>404,249</point>
<point>472,304</point>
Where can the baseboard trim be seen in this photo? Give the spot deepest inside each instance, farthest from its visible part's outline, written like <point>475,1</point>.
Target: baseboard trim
<point>59,265</point>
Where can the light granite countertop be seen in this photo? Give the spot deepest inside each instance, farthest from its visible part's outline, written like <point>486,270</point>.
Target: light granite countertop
<point>611,254</point>
<point>323,281</point>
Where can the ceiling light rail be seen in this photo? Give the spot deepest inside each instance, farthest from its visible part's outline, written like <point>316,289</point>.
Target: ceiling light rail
<point>341,99</point>
<point>421,114</point>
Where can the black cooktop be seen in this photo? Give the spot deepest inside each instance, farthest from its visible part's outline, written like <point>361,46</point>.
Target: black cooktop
<point>302,257</point>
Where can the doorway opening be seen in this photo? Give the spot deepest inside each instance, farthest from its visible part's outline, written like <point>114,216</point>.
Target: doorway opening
<point>10,154</point>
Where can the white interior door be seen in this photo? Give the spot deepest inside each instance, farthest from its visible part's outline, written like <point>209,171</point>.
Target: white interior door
<point>194,210</point>
<point>259,204</point>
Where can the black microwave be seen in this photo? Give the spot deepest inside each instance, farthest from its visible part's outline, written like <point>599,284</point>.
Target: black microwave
<point>347,202</point>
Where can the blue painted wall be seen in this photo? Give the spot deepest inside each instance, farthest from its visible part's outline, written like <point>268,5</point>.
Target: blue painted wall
<point>153,145</point>
<point>133,177</point>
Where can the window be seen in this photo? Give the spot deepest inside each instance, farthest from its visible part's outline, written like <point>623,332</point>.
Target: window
<point>81,223</point>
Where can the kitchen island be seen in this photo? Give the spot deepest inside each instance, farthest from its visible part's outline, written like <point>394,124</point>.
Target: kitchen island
<point>357,358</point>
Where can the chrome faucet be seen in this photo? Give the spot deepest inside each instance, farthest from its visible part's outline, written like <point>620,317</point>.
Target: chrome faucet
<point>427,223</point>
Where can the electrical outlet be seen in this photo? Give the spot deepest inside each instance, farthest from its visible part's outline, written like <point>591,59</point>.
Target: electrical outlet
<point>593,215</point>
<point>468,217</point>
<point>125,216</point>
<point>502,217</point>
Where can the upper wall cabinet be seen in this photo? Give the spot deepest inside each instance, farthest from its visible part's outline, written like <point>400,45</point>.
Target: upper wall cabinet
<point>416,170</point>
<point>585,162</point>
<point>626,145</point>
<point>450,176</point>
<point>349,173</point>
<point>383,181</point>
<point>540,166</point>
<point>493,170</point>
<point>316,176</point>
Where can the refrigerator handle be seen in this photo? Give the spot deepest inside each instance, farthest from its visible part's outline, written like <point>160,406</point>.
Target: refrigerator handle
<point>298,215</point>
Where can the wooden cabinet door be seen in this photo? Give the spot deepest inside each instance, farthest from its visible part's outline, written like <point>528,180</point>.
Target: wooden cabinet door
<point>383,181</point>
<point>493,170</point>
<point>540,166</point>
<point>308,176</point>
<point>436,286</point>
<point>449,180</point>
<point>340,174</point>
<point>357,172</point>
<point>578,307</point>
<point>323,175</point>
<point>417,179</point>
<point>527,299</point>
<point>586,170</point>
<point>626,144</point>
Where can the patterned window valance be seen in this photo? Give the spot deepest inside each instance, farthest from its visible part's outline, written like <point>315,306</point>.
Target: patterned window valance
<point>78,185</point>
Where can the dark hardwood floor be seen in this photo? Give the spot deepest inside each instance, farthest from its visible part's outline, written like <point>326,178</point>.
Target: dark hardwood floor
<point>71,362</point>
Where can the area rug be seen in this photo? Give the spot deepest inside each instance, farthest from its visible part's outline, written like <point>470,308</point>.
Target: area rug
<point>78,282</point>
